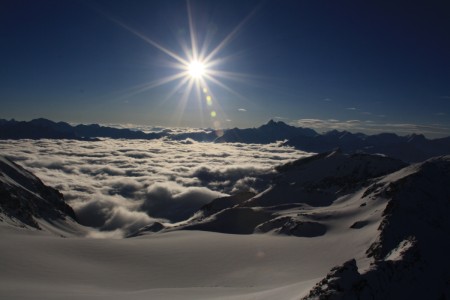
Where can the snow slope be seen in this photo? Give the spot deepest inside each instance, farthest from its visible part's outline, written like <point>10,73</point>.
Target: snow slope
<point>307,198</point>
<point>175,265</point>
<point>409,258</point>
<point>383,224</point>
<point>26,202</point>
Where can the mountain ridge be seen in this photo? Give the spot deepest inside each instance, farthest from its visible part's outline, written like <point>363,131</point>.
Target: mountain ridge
<point>409,254</point>
<point>25,200</point>
<point>410,148</point>
<point>406,206</point>
<point>43,128</point>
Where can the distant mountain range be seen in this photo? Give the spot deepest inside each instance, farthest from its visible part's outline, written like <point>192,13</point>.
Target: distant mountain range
<point>411,148</point>
<point>267,133</point>
<point>46,129</point>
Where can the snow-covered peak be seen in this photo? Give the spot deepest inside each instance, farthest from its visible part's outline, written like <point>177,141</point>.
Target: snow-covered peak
<point>410,252</point>
<point>418,198</point>
<point>312,182</point>
<point>12,173</point>
<point>335,164</point>
<point>26,201</point>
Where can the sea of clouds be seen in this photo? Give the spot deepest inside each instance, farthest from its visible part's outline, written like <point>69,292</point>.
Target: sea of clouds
<point>123,185</point>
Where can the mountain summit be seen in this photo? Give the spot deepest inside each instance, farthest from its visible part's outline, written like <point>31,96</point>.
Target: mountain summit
<point>268,133</point>
<point>409,255</point>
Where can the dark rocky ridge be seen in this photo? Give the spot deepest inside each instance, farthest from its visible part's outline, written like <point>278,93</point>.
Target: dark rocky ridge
<point>24,198</point>
<point>412,148</point>
<point>410,253</point>
<point>46,129</point>
<point>315,181</point>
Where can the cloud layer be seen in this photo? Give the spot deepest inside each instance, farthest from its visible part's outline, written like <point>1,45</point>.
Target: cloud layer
<point>126,184</point>
<point>371,127</point>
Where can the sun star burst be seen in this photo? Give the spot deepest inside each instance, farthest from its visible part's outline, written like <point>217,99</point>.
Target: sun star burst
<point>197,67</point>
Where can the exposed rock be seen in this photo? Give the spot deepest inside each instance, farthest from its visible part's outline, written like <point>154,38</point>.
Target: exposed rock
<point>24,198</point>
<point>410,253</point>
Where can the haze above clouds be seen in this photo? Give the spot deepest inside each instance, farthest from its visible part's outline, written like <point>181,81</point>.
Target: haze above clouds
<point>121,185</point>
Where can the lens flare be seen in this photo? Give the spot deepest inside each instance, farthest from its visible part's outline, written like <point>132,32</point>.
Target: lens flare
<point>197,65</point>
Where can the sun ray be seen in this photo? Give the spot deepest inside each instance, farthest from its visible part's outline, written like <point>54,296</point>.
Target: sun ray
<point>148,40</point>
<point>230,36</point>
<point>224,86</point>
<point>199,101</point>
<point>177,88</point>
<point>140,88</point>
<point>165,80</point>
<point>214,103</point>
<point>192,33</point>
<point>195,68</point>
<point>233,75</point>
<point>206,43</point>
<point>183,101</point>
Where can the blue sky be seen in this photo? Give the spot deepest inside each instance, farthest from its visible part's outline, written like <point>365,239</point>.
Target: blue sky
<point>353,65</point>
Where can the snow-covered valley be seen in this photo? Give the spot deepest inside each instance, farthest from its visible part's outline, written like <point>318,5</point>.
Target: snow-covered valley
<point>324,226</point>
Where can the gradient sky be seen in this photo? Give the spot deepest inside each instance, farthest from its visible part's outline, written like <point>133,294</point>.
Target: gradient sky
<point>366,66</point>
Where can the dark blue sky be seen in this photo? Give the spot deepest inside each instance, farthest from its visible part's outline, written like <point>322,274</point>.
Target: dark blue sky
<point>358,65</point>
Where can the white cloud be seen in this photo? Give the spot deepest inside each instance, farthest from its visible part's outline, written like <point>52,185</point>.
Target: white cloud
<point>371,127</point>
<point>120,185</point>
<point>242,109</point>
<point>175,203</point>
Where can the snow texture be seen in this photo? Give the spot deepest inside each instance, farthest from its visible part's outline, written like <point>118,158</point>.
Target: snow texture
<point>329,226</point>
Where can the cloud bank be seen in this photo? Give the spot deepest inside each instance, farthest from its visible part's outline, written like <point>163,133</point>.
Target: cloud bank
<point>123,185</point>
<point>371,127</point>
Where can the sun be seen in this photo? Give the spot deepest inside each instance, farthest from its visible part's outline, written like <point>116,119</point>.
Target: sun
<point>196,69</point>
<point>198,65</point>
